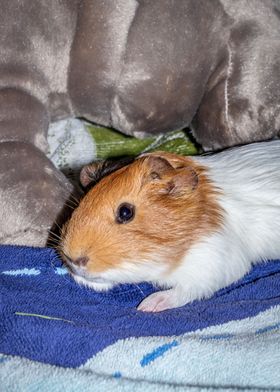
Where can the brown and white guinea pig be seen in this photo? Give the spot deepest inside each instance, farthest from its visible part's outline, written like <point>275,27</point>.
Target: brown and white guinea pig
<point>191,225</point>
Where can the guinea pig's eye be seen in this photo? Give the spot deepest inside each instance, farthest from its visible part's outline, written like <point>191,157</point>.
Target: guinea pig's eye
<point>125,213</point>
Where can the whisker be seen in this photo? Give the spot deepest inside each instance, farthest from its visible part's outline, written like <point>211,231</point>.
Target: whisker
<point>74,199</point>
<point>72,207</point>
<point>55,241</point>
<point>69,197</point>
<point>57,225</point>
<point>58,237</point>
<point>139,288</point>
<point>53,245</point>
<point>61,228</point>
<point>74,203</point>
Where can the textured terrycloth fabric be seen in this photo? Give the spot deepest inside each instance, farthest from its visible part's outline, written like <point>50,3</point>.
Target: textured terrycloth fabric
<point>229,341</point>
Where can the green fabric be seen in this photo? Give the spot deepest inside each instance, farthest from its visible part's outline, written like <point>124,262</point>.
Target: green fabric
<point>111,144</point>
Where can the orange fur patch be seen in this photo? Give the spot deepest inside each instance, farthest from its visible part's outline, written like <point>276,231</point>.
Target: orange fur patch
<point>165,226</point>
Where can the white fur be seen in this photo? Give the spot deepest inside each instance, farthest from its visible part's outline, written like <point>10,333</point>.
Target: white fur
<point>97,286</point>
<point>137,271</point>
<point>82,277</point>
<point>249,178</point>
<point>127,272</point>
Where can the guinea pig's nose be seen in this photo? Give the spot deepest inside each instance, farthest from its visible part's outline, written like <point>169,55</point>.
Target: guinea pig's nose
<point>81,261</point>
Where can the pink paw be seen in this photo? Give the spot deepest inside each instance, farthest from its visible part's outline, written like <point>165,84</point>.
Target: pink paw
<point>158,302</point>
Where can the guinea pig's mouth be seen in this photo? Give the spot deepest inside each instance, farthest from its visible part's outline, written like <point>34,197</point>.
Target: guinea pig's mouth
<point>97,284</point>
<point>89,278</point>
<point>83,277</point>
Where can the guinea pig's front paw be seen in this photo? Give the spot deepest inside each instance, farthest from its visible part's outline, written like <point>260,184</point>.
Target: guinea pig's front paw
<point>160,301</point>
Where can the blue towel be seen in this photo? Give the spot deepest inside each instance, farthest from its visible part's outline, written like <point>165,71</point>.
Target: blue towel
<point>47,317</point>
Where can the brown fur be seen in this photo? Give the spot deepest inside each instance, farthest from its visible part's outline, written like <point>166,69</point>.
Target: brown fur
<point>176,206</point>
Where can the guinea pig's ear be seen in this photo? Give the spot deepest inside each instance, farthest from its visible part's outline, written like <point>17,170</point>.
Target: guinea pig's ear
<point>89,172</point>
<point>158,167</point>
<point>183,182</point>
<point>94,172</point>
<point>172,181</point>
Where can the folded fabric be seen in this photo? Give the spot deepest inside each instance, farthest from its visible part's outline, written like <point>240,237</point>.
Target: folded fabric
<point>74,143</point>
<point>110,143</point>
<point>47,317</point>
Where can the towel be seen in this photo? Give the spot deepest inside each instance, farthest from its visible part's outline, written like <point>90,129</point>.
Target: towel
<point>48,318</point>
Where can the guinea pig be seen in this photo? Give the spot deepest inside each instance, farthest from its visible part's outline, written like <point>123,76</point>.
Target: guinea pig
<point>190,225</point>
